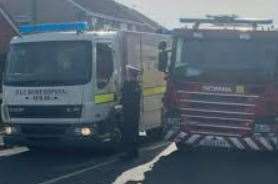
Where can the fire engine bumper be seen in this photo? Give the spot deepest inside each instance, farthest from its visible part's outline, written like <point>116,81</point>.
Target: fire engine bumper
<point>256,142</point>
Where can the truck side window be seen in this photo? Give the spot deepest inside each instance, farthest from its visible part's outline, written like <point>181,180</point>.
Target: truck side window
<point>104,64</point>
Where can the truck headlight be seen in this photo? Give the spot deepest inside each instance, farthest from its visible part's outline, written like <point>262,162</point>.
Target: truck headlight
<point>86,132</point>
<point>10,130</point>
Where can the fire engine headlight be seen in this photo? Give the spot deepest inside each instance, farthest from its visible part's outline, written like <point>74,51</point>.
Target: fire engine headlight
<point>10,130</point>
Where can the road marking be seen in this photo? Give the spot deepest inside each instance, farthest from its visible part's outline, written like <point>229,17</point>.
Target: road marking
<point>137,174</point>
<point>113,160</point>
<point>14,151</point>
<point>55,180</point>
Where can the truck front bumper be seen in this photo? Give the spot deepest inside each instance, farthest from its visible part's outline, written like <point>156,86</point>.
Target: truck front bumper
<point>56,136</point>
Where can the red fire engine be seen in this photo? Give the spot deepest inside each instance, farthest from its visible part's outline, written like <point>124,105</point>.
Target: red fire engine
<point>223,84</point>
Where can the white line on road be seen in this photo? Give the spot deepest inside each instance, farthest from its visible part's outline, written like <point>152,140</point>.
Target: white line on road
<point>14,151</point>
<point>112,161</point>
<point>55,180</point>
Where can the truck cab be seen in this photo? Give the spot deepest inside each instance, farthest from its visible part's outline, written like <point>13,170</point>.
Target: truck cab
<point>222,87</point>
<point>64,87</point>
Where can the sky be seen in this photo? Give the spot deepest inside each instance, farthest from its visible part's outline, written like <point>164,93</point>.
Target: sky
<point>167,12</point>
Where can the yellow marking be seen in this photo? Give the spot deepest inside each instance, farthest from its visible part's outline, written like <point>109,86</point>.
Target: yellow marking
<point>105,98</point>
<point>154,91</point>
<point>240,89</point>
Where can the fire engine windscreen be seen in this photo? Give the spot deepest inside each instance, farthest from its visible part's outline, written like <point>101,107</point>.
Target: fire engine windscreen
<point>245,61</point>
<point>49,63</point>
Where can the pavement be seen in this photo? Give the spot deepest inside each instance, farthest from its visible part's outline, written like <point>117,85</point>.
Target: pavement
<point>159,163</point>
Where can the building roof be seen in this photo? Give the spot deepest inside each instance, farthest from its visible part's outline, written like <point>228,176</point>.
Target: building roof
<point>110,9</point>
<point>7,30</point>
<point>7,19</point>
<point>70,10</point>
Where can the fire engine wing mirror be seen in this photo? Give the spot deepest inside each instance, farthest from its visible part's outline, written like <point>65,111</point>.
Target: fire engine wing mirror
<point>163,57</point>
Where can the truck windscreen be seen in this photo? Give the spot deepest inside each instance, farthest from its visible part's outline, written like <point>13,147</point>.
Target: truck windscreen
<point>49,63</point>
<point>227,60</point>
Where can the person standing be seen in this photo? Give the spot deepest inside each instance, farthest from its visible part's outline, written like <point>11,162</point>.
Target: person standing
<point>131,100</point>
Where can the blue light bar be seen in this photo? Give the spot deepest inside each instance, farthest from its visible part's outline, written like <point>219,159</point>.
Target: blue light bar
<point>56,27</point>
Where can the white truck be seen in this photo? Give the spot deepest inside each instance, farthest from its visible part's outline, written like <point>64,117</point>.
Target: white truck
<point>63,88</point>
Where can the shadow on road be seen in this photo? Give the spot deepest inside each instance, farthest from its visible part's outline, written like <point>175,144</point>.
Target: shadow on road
<point>116,173</point>
<point>36,166</point>
<point>214,167</point>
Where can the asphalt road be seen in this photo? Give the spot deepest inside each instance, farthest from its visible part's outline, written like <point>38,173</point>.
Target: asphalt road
<point>159,163</point>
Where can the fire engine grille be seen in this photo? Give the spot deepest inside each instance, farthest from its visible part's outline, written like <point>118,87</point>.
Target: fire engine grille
<point>216,113</point>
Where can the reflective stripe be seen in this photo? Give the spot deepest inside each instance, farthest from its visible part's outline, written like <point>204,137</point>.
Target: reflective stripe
<point>193,138</point>
<point>104,98</point>
<point>251,143</point>
<point>151,91</point>
<point>265,143</point>
<point>237,143</point>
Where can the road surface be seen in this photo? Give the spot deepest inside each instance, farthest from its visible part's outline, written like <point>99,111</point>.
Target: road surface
<point>160,163</point>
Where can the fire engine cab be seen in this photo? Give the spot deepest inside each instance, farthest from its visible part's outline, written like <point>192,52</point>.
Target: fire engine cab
<point>222,85</point>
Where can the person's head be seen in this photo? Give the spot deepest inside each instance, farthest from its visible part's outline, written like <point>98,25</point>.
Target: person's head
<point>132,73</point>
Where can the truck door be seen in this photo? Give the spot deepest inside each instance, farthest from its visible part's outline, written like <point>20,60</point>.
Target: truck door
<point>105,74</point>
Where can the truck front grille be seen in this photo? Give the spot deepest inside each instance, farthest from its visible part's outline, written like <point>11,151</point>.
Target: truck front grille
<point>45,111</point>
<point>43,130</point>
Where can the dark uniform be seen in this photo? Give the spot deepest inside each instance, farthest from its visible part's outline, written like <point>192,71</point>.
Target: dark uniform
<point>131,95</point>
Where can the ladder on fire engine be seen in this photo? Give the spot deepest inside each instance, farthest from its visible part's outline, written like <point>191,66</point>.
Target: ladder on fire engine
<point>227,20</point>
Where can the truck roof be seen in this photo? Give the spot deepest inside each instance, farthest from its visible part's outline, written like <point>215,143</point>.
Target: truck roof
<point>63,36</point>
